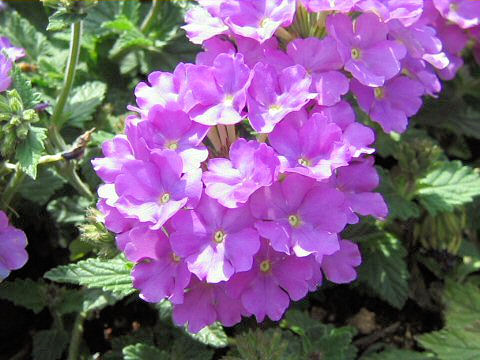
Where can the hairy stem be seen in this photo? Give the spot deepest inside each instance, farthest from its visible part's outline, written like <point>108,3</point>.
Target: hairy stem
<point>77,333</point>
<point>69,73</point>
<point>150,18</point>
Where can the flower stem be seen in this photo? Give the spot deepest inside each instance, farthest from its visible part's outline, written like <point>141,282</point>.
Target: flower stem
<point>214,138</point>
<point>69,73</point>
<point>150,18</point>
<point>15,181</point>
<point>77,333</point>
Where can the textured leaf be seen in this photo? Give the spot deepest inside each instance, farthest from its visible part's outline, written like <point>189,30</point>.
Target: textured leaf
<point>259,345</point>
<point>384,269</point>
<point>30,97</point>
<point>143,352</point>
<point>109,275</point>
<point>452,344</point>
<point>212,335</point>
<point>27,293</point>
<point>463,304</point>
<point>84,300</point>
<point>69,209</point>
<point>61,19</point>
<point>30,150</point>
<point>450,184</point>
<point>43,187</point>
<point>49,344</point>
<point>398,354</point>
<point>83,103</point>
<point>185,348</point>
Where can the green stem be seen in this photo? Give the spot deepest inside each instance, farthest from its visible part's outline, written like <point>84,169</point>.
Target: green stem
<point>12,187</point>
<point>71,174</point>
<point>77,333</point>
<point>69,73</point>
<point>152,14</point>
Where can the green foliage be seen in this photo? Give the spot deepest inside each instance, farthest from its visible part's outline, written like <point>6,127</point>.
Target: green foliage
<point>43,187</point>
<point>110,275</point>
<point>85,300</point>
<point>398,354</point>
<point>30,97</point>
<point>27,293</point>
<point>62,18</point>
<point>448,185</point>
<point>212,335</point>
<point>49,344</point>
<point>31,150</point>
<point>143,352</point>
<point>384,269</point>
<point>259,345</point>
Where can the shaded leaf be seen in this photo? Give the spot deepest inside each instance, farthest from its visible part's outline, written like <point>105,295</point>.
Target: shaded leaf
<point>213,335</point>
<point>27,293</point>
<point>143,352</point>
<point>49,344</point>
<point>43,187</point>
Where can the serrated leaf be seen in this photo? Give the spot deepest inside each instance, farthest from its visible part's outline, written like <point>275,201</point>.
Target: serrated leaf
<point>83,103</point>
<point>463,304</point>
<point>384,269</point>
<point>61,19</point>
<point>185,348</point>
<point>213,335</point>
<point>398,354</point>
<point>43,187</point>
<point>21,33</point>
<point>452,344</point>
<point>398,205</point>
<point>69,209</point>
<point>85,300</point>
<point>49,344</point>
<point>109,275</point>
<point>259,345</point>
<point>449,185</point>
<point>30,150</point>
<point>30,97</point>
<point>27,293</point>
<point>143,352</point>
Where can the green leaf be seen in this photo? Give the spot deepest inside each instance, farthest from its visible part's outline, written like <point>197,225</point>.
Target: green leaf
<point>463,304</point>
<point>143,352</point>
<point>27,293</point>
<point>83,103</point>
<point>30,97</point>
<point>69,209</point>
<point>452,344</point>
<point>384,269</point>
<point>84,300</point>
<point>398,205</point>
<point>213,335</point>
<point>49,344</point>
<point>61,19</point>
<point>260,345</point>
<point>43,187</point>
<point>398,354</point>
<point>448,185</point>
<point>109,275</point>
<point>185,348</point>
<point>23,34</point>
<point>30,150</point>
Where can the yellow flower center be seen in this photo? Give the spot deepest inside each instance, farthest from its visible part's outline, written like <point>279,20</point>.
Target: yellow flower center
<point>304,162</point>
<point>356,53</point>
<point>275,109</point>
<point>219,236</point>
<point>228,101</point>
<point>173,146</point>
<point>265,266</point>
<point>165,198</point>
<point>379,93</point>
<point>294,220</point>
<point>175,258</point>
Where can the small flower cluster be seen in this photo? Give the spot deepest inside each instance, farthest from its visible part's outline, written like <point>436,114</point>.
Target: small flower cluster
<point>8,54</point>
<point>226,227</point>
<point>12,247</point>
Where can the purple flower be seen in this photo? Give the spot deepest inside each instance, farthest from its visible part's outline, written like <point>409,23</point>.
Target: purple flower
<point>301,215</point>
<point>329,5</point>
<point>159,273</point>
<point>357,181</point>
<point>464,13</point>
<point>422,72</point>
<point>311,147</point>
<point>154,191</point>
<point>12,247</point>
<point>320,58</point>
<point>266,289</point>
<point>117,152</point>
<point>251,166</point>
<point>341,113</point>
<point>405,11</point>
<point>201,25</point>
<point>5,68</point>
<point>173,130</point>
<point>14,53</point>
<point>367,54</point>
<point>257,19</point>
<point>206,303</point>
<point>272,95</point>
<point>164,88</point>
<point>215,241</point>
<point>212,48</point>
<point>219,90</point>
<point>392,104</point>
<point>340,266</point>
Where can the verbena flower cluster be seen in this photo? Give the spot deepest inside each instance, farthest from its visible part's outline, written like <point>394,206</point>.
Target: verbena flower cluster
<point>12,247</point>
<point>225,226</point>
